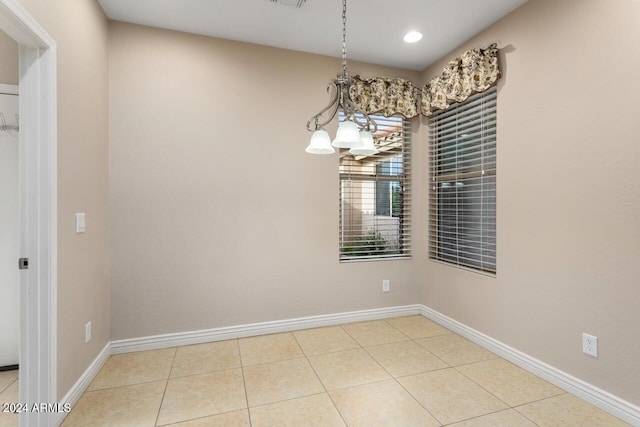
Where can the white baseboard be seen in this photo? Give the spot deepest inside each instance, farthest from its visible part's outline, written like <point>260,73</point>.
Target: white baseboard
<point>604,400</point>
<point>219,334</point>
<point>74,394</point>
<point>598,397</point>
<point>263,328</point>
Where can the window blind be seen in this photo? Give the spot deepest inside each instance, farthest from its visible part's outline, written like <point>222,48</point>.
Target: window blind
<point>375,195</point>
<point>462,196</point>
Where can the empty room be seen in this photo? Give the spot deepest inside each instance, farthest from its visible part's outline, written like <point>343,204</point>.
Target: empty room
<point>319,213</point>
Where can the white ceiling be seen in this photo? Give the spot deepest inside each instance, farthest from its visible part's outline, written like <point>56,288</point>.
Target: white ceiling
<point>374,27</point>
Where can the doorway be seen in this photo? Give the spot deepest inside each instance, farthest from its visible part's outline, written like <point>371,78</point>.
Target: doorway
<point>9,228</point>
<point>9,238</point>
<point>38,220</point>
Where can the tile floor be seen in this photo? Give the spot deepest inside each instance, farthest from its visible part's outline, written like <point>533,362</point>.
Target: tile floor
<point>406,371</point>
<point>8,394</point>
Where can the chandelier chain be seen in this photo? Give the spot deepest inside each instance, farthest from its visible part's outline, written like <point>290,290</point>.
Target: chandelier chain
<point>344,38</point>
<point>341,99</point>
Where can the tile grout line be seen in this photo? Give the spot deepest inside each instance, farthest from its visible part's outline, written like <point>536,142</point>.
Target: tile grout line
<point>423,348</point>
<point>391,377</point>
<point>123,386</point>
<point>478,384</point>
<point>166,385</point>
<point>257,364</point>
<point>244,382</point>
<point>448,366</point>
<point>484,415</point>
<point>324,387</point>
<point>497,397</point>
<point>175,423</point>
<point>515,408</point>
<point>9,385</point>
<point>362,347</point>
<point>351,336</point>
<point>414,398</point>
<point>395,379</point>
<point>525,417</point>
<point>455,367</point>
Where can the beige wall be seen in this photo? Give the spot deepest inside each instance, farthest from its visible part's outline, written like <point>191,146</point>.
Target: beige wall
<point>80,31</point>
<point>9,62</point>
<point>568,195</point>
<point>218,216</point>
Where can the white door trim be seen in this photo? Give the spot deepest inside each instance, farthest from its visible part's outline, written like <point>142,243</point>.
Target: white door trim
<point>9,89</point>
<point>38,210</point>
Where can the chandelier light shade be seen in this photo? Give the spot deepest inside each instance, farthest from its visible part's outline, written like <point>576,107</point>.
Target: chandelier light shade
<point>367,148</point>
<point>356,131</point>
<point>320,143</point>
<point>347,136</point>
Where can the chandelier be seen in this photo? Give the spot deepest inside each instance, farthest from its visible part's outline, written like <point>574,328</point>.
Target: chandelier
<point>356,131</point>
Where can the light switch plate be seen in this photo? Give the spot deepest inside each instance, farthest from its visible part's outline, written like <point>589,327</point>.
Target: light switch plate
<point>87,332</point>
<point>81,225</point>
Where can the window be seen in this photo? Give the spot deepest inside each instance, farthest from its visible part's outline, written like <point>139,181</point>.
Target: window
<point>462,195</point>
<point>375,195</point>
<point>388,192</point>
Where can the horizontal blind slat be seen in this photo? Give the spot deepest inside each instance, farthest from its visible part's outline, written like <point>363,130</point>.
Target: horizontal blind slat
<point>462,187</point>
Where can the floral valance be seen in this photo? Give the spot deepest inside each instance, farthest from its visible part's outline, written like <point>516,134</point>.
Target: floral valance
<point>385,96</point>
<point>475,71</point>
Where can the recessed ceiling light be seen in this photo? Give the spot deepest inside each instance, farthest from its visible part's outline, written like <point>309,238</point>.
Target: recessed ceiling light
<point>412,36</point>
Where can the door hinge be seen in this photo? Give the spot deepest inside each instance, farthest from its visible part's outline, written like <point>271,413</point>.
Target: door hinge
<point>23,263</point>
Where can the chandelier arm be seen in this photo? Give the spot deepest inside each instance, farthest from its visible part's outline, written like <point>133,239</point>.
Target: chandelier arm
<point>372,126</point>
<point>365,122</point>
<point>333,103</point>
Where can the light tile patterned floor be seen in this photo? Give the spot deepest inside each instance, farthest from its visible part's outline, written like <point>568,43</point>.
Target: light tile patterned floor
<point>406,371</point>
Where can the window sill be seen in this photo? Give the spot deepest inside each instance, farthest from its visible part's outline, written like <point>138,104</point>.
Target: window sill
<point>387,258</point>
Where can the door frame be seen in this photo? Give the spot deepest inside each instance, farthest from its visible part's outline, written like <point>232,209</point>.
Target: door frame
<point>38,210</point>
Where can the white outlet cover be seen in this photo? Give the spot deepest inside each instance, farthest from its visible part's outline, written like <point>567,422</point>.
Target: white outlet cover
<point>590,345</point>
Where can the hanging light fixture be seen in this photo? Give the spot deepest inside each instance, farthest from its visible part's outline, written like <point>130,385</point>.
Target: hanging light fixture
<point>355,132</point>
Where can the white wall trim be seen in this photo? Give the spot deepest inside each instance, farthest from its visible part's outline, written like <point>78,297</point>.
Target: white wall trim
<point>604,400</point>
<point>38,213</point>
<point>75,393</point>
<point>263,328</point>
<point>9,89</point>
<point>21,26</point>
<point>597,397</point>
<point>225,333</point>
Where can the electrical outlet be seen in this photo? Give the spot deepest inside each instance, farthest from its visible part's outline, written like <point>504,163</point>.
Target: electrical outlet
<point>87,332</point>
<point>590,345</point>
<point>385,286</point>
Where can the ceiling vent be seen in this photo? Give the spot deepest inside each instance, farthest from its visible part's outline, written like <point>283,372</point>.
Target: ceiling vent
<point>289,3</point>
